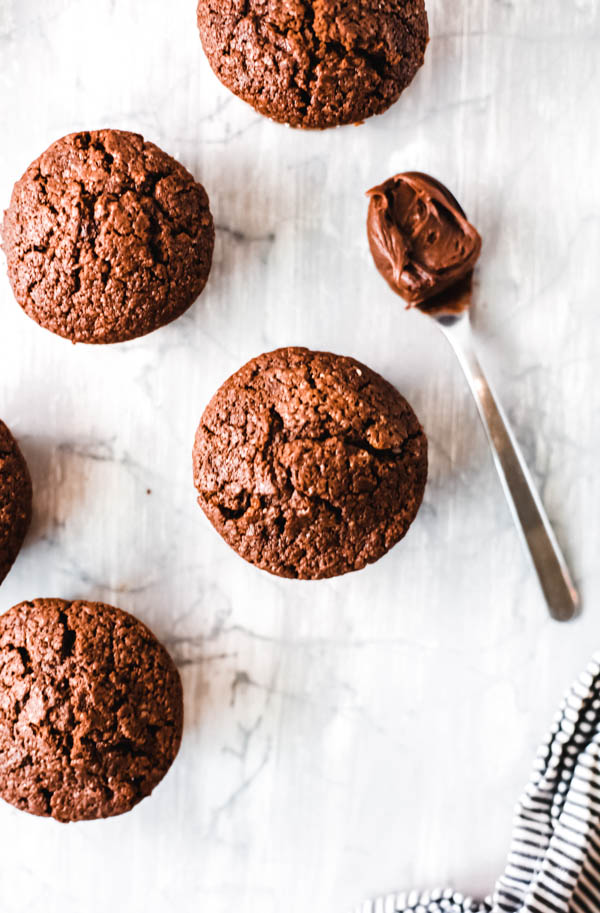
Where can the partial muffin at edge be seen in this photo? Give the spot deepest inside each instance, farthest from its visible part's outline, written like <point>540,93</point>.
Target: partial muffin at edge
<point>15,500</point>
<point>91,709</point>
<point>311,64</point>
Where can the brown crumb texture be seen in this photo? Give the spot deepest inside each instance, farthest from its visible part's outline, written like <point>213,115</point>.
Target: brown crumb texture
<point>91,709</point>
<point>15,500</point>
<point>309,464</point>
<point>107,238</point>
<point>315,63</point>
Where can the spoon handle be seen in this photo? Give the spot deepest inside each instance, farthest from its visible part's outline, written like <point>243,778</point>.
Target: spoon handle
<point>524,501</point>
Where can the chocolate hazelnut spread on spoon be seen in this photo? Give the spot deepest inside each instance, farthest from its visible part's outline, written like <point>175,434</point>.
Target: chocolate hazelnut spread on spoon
<point>426,249</point>
<point>419,236</point>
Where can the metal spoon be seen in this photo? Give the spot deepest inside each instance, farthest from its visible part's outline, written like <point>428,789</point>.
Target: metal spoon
<point>451,310</point>
<point>452,314</point>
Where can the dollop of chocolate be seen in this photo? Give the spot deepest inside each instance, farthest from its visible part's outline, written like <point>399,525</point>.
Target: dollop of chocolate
<point>419,236</point>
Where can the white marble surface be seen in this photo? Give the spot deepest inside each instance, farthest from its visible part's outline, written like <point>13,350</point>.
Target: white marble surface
<point>368,733</point>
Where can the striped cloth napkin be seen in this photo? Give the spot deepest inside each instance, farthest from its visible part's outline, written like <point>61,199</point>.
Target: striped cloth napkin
<point>554,860</point>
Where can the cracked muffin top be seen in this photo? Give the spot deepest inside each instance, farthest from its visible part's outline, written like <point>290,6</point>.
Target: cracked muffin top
<point>15,500</point>
<point>315,63</point>
<point>107,238</point>
<point>309,464</point>
<point>91,709</point>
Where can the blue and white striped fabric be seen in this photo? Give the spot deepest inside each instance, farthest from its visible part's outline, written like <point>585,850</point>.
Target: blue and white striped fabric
<point>554,860</point>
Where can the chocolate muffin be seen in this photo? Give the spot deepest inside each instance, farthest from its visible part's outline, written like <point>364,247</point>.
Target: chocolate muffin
<point>313,64</point>
<point>91,709</point>
<point>107,238</point>
<point>15,500</point>
<point>309,464</point>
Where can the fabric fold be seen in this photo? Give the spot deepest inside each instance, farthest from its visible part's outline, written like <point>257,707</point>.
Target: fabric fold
<point>553,864</point>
